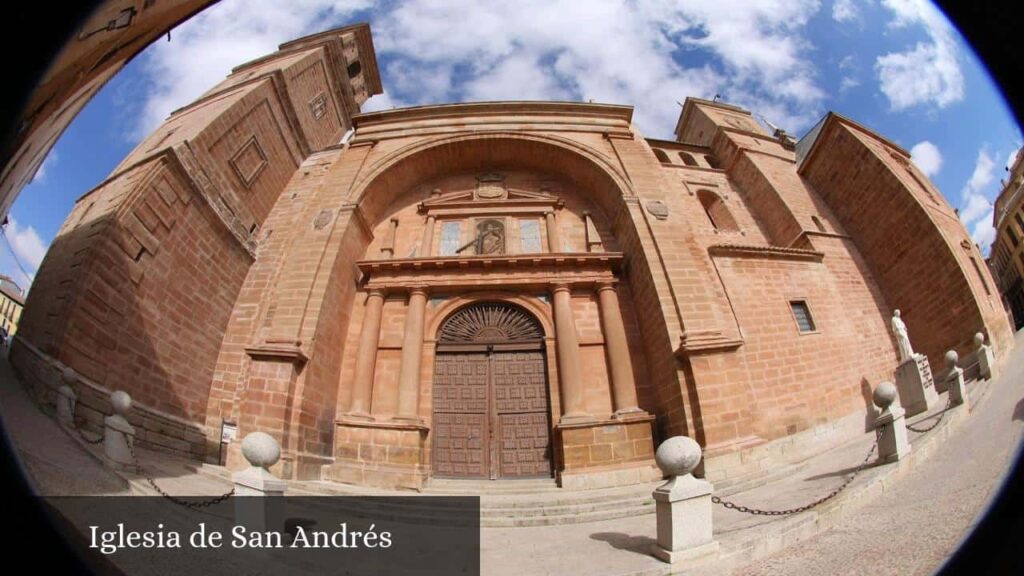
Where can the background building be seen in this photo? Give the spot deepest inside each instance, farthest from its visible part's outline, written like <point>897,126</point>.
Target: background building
<point>11,303</point>
<point>1007,257</point>
<point>495,290</point>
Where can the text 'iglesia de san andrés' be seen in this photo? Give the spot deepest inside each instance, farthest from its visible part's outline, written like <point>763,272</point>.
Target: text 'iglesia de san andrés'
<point>494,290</point>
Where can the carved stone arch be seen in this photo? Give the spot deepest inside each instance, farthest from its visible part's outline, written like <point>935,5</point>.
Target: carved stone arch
<point>377,187</point>
<point>488,323</point>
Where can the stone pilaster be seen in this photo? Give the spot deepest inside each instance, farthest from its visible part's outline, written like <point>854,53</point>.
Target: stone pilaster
<point>366,357</point>
<point>412,354</point>
<point>570,379</point>
<point>620,366</point>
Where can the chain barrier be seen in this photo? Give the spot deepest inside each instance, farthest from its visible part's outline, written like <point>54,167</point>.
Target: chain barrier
<point>89,440</point>
<point>804,508</point>
<point>198,505</point>
<point>949,403</point>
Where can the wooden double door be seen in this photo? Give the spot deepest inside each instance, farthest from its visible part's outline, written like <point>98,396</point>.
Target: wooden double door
<point>491,415</point>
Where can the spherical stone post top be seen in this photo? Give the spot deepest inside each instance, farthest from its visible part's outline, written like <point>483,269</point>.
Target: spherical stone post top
<point>261,450</point>
<point>952,358</point>
<point>979,340</point>
<point>69,375</point>
<point>678,456</point>
<point>885,395</point>
<point>121,402</point>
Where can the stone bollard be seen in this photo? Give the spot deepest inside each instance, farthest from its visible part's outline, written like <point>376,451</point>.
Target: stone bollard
<point>892,443</point>
<point>683,504</point>
<point>118,434</point>
<point>955,381</point>
<point>260,514</point>
<point>986,360</point>
<point>66,397</point>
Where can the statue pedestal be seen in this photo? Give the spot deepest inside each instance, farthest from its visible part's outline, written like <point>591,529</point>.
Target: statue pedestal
<point>916,386</point>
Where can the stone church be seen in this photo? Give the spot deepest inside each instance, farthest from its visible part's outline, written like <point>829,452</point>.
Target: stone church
<point>495,290</point>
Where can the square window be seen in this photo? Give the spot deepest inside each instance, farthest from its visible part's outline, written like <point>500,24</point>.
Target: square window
<point>802,314</point>
<point>451,237</point>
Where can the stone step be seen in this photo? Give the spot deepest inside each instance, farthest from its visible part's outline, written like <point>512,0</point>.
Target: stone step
<point>478,487</point>
<point>560,519</point>
<point>578,508</point>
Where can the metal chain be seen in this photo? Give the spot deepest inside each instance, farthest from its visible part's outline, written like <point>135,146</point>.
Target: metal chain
<point>949,403</point>
<point>186,503</point>
<point>87,439</point>
<point>804,508</point>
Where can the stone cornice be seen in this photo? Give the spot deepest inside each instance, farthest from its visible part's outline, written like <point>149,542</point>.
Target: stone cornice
<point>462,111</point>
<point>537,270</point>
<point>279,350</point>
<point>706,341</point>
<point>750,251</point>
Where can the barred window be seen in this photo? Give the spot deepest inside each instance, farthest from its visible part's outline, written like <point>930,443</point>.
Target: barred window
<point>802,313</point>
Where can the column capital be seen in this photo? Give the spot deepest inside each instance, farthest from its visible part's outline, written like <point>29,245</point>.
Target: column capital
<point>603,285</point>
<point>560,287</point>
<point>419,289</point>
<point>377,291</point>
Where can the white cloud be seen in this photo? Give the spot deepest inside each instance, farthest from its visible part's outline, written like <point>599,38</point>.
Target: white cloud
<point>204,49</point>
<point>927,74</point>
<point>844,11</point>
<point>983,233</point>
<point>606,51</point>
<point>27,245</point>
<point>847,83</point>
<point>647,53</point>
<point>1011,158</point>
<point>927,157</point>
<point>976,207</point>
<point>47,164</point>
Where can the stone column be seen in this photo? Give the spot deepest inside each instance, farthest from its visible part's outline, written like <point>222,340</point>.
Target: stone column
<point>955,381</point>
<point>892,442</point>
<point>412,354</point>
<point>259,505</point>
<point>986,360</point>
<point>366,356</point>
<point>570,378</point>
<point>554,238</point>
<point>620,366</point>
<point>428,237</point>
<point>682,505</point>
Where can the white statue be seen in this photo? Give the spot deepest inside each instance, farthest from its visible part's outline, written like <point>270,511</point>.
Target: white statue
<point>900,330</point>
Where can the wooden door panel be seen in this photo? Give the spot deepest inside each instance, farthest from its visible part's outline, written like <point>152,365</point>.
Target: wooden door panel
<point>460,407</point>
<point>525,445</point>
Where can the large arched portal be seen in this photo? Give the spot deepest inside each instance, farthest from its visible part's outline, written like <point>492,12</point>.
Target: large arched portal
<point>491,412</point>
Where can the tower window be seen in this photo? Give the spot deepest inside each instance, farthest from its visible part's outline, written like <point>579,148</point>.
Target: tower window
<point>817,222</point>
<point>802,314</point>
<point>712,161</point>
<point>354,69</point>
<point>662,157</point>
<point>717,211</point>
<point>687,159</point>
<point>1013,236</point>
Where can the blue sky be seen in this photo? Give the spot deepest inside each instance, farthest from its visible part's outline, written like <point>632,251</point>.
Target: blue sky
<point>896,66</point>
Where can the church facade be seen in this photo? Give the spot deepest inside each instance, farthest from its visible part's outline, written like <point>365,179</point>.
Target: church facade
<point>495,290</point>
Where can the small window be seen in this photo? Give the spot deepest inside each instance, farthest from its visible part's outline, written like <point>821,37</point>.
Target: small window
<point>529,236</point>
<point>1013,236</point>
<point>354,69</point>
<point>662,157</point>
<point>451,236</point>
<point>817,222</point>
<point>802,314</point>
<point>687,159</point>
<point>1020,221</point>
<point>712,161</point>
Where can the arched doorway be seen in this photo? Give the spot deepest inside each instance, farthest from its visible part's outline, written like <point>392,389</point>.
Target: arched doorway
<point>491,416</point>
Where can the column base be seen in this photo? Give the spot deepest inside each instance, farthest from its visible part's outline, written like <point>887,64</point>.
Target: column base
<point>630,414</point>
<point>577,418</point>
<point>358,417</point>
<point>411,420</point>
<point>689,555</point>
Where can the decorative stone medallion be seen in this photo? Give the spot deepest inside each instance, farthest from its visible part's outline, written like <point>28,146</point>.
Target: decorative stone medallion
<point>491,186</point>
<point>322,219</point>
<point>658,209</point>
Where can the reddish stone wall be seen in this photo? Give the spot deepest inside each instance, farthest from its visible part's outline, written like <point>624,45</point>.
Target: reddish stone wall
<point>909,240</point>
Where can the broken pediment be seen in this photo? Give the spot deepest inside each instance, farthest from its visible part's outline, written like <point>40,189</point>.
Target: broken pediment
<point>491,190</point>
